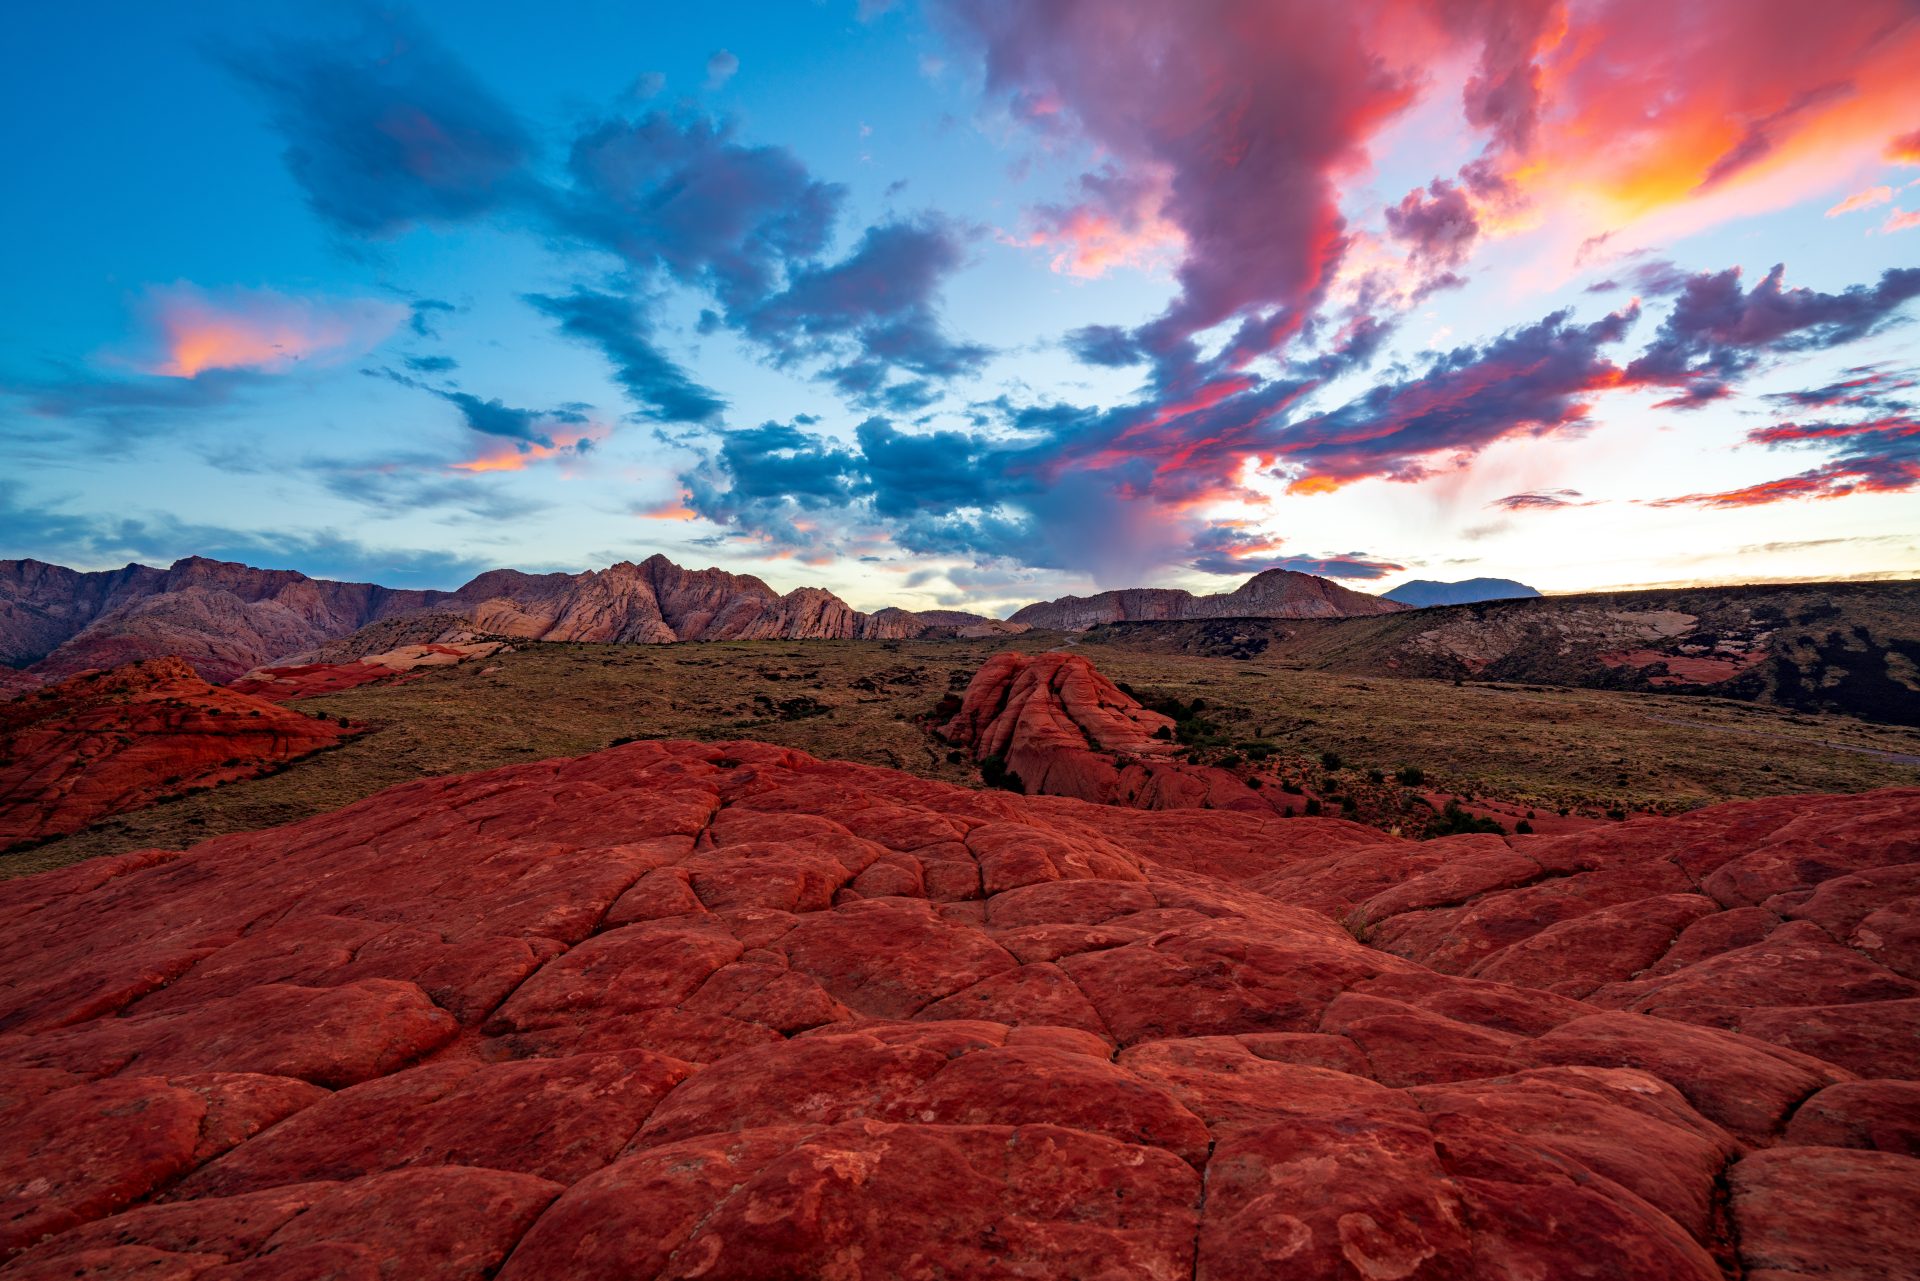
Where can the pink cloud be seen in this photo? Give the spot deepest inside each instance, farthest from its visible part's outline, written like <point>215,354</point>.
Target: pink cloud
<point>1862,200</point>
<point>196,330</point>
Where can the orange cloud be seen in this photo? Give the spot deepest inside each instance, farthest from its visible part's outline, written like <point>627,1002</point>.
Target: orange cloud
<point>1711,110</point>
<point>1862,200</point>
<point>197,330</point>
<point>672,509</point>
<point>1901,220</point>
<point>508,455</point>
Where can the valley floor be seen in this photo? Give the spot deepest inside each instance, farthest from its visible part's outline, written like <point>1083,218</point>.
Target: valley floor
<point>1523,747</point>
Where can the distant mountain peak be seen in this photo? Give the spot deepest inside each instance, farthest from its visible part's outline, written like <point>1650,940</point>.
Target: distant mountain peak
<point>1272,593</point>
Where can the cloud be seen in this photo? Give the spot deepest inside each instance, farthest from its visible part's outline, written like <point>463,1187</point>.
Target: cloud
<point>1105,345</point>
<point>721,67</point>
<point>1541,500</point>
<point>1880,455</point>
<point>1209,101</point>
<point>1537,380</point>
<point>1717,333</point>
<point>430,364</point>
<point>1436,223</point>
<point>1900,220</point>
<point>874,311</point>
<point>664,391</point>
<point>1117,222</point>
<point>492,418</point>
<point>1866,199</point>
<point>1905,149</point>
<point>678,195</point>
<point>425,310</point>
<point>194,330</point>
<point>386,130</point>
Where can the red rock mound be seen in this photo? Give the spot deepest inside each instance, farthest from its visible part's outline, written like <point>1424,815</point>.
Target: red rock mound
<point>305,680</point>
<point>726,1011</point>
<point>106,742</point>
<point>1066,730</point>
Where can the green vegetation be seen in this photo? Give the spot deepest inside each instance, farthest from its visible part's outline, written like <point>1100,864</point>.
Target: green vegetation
<point>1554,751</point>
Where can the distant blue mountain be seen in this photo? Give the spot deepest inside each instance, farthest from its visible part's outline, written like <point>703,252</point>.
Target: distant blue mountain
<point>1422,592</point>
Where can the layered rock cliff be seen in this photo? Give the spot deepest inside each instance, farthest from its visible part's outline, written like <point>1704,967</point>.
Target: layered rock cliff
<point>227,619</point>
<point>1276,593</point>
<point>107,742</point>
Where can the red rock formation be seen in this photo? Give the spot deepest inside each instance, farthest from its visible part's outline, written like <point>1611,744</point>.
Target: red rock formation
<point>107,742</point>
<point>726,1011</point>
<point>1066,730</point>
<point>1274,593</point>
<point>229,619</point>
<point>305,680</point>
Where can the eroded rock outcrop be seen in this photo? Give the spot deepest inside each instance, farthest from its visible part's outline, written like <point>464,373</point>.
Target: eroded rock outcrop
<point>106,742</point>
<point>727,1011</point>
<point>1066,730</point>
<point>305,680</point>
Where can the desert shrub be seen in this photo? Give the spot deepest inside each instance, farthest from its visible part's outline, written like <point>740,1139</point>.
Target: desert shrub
<point>1330,760</point>
<point>1290,787</point>
<point>1376,776</point>
<point>956,756</point>
<point>1313,807</point>
<point>1617,815</point>
<point>1348,805</point>
<point>1355,923</point>
<point>1228,761</point>
<point>1523,828</point>
<point>994,773</point>
<point>344,722</point>
<point>1411,776</point>
<point>1163,733</point>
<point>1455,821</point>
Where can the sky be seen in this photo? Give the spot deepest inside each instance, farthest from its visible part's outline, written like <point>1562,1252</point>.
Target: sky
<point>967,303</point>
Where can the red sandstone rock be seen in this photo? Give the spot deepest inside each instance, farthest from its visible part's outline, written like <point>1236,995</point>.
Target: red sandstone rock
<point>1066,730</point>
<point>723,1010</point>
<point>108,742</point>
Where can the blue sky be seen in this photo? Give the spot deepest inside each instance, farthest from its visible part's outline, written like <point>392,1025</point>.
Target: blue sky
<point>967,303</point>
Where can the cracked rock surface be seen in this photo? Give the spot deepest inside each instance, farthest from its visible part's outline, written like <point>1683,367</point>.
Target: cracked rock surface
<point>728,1011</point>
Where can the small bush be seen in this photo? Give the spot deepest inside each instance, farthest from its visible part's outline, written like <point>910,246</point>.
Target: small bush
<point>1376,776</point>
<point>1617,815</point>
<point>1290,787</point>
<point>1330,760</point>
<point>1228,761</point>
<point>1313,807</point>
<point>994,772</point>
<point>1455,821</point>
<point>1523,828</point>
<point>956,756</point>
<point>1411,776</point>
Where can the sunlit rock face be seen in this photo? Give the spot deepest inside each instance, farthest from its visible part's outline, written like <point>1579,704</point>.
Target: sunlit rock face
<point>106,742</point>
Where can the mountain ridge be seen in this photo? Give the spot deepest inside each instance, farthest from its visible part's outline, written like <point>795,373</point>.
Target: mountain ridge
<point>227,618</point>
<point>1273,593</point>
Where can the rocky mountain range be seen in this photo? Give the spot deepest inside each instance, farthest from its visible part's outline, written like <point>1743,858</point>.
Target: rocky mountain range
<point>1422,592</point>
<point>1276,593</point>
<point>226,618</point>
